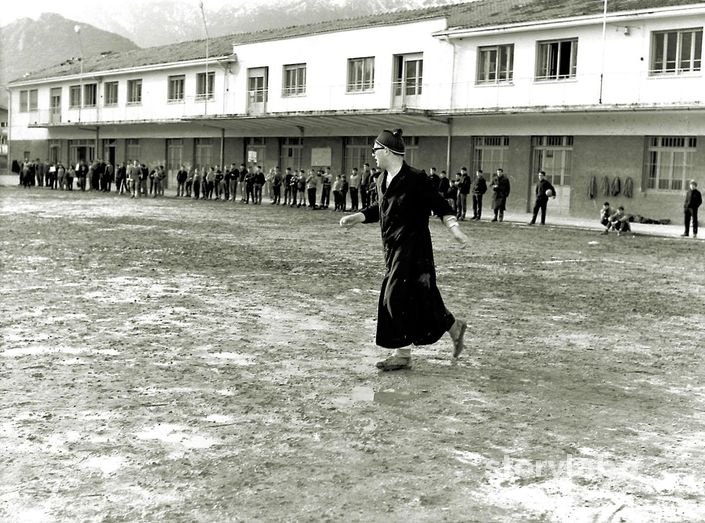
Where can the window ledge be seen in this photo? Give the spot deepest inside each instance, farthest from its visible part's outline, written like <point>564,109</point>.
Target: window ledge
<point>572,79</point>
<point>361,91</point>
<point>686,74</point>
<point>508,83</point>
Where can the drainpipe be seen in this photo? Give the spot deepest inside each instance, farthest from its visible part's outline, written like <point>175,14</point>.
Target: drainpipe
<point>449,126</point>
<point>9,130</point>
<point>604,35</point>
<point>98,152</point>
<point>222,148</point>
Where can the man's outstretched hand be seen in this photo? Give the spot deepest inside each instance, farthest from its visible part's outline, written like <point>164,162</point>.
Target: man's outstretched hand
<point>352,219</point>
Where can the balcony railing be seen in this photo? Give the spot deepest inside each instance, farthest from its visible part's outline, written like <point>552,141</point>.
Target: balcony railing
<point>521,93</point>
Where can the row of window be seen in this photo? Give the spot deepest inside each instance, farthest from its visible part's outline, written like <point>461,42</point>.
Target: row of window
<point>672,52</point>
<point>669,167</point>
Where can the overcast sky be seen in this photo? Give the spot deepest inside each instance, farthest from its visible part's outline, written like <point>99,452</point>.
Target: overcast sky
<point>85,10</point>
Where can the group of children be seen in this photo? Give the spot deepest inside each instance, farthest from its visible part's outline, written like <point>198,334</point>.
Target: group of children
<point>616,220</point>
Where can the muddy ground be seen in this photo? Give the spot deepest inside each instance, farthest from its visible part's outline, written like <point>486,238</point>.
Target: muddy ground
<point>176,360</point>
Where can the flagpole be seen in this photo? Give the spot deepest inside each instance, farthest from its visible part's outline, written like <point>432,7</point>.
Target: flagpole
<point>205,26</point>
<point>604,37</point>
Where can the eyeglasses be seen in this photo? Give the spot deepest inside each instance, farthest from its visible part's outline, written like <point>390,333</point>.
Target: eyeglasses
<point>375,149</point>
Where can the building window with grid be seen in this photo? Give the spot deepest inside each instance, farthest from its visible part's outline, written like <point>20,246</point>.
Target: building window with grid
<point>357,152</point>
<point>557,59</point>
<point>29,100</point>
<point>489,153</point>
<point>205,86</point>
<point>670,162</point>
<point>294,80</point>
<point>676,52</point>
<point>74,96</point>
<point>203,153</point>
<point>554,155</point>
<point>408,75</point>
<point>411,150</point>
<point>361,74</point>
<point>132,149</point>
<point>134,91</point>
<point>495,64</point>
<point>90,95</point>
<point>111,93</point>
<point>176,88</point>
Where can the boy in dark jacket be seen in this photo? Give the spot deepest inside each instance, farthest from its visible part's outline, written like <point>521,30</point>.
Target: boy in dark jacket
<point>693,200</point>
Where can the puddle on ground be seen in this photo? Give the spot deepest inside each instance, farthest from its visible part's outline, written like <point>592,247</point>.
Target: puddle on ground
<point>369,395</point>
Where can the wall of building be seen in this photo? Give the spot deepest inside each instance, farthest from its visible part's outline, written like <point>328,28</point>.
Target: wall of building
<point>326,68</point>
<point>624,157</point>
<point>622,78</point>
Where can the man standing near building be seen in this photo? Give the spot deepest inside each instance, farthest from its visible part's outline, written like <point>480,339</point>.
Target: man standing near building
<point>326,182</point>
<point>133,177</point>
<point>479,188</point>
<point>365,179</point>
<point>121,178</point>
<point>354,183</point>
<point>693,200</point>
<point>500,193</point>
<point>108,176</point>
<point>464,183</point>
<point>544,191</point>
<point>276,186</point>
<point>181,177</point>
<point>411,309</point>
<point>435,179</point>
<point>242,182</point>
<point>234,175</point>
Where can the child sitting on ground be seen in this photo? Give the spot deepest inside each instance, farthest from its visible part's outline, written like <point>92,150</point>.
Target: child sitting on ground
<point>605,214</point>
<point>619,221</point>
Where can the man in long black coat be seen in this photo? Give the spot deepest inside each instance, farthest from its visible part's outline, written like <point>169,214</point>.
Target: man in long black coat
<point>410,309</point>
<point>693,200</point>
<point>500,193</point>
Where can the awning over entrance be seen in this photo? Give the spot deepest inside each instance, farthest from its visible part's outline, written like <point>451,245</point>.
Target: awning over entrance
<point>343,123</point>
<point>325,123</point>
<point>339,123</point>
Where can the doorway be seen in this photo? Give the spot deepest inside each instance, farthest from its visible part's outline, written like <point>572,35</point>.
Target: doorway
<point>554,155</point>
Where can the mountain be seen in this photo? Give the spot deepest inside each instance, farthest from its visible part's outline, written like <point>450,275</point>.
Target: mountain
<point>27,45</point>
<point>178,21</point>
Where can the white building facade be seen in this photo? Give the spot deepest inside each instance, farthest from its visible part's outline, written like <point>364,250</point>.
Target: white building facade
<point>600,101</point>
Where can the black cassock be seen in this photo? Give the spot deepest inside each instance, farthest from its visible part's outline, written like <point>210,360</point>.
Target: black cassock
<point>411,310</point>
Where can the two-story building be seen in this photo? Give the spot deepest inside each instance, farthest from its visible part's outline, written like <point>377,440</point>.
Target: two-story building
<point>601,95</point>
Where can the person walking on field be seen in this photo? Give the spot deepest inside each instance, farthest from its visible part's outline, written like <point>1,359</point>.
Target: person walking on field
<point>500,193</point>
<point>544,191</point>
<point>410,309</point>
<point>693,200</point>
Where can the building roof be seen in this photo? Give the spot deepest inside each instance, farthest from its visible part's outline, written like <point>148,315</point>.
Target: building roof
<point>468,15</point>
<point>485,13</point>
